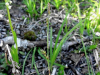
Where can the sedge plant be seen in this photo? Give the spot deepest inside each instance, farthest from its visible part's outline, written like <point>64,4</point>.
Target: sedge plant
<point>47,21</point>
<point>14,51</point>
<point>58,48</point>
<point>54,52</point>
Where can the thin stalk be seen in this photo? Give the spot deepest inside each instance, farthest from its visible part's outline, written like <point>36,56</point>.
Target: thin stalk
<point>47,20</point>
<point>50,43</point>
<point>10,23</point>
<point>86,55</point>
<point>41,7</point>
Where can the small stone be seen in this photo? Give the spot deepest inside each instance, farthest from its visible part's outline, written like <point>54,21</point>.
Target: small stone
<point>40,35</point>
<point>27,71</point>
<point>4,33</point>
<point>7,27</point>
<point>39,57</point>
<point>43,32</point>
<point>28,49</point>
<point>85,33</point>
<point>32,71</point>
<point>23,57</point>
<point>18,26</point>
<point>53,30</point>
<point>10,34</point>
<point>21,61</point>
<point>2,36</point>
<point>17,31</point>
<point>44,65</point>
<point>4,30</point>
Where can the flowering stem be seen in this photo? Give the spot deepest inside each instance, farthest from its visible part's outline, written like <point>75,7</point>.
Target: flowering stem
<point>10,23</point>
<point>9,16</point>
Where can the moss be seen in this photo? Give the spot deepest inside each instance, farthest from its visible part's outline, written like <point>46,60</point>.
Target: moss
<point>30,35</point>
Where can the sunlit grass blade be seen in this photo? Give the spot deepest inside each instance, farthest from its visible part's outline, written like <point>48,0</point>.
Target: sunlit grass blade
<point>62,28</point>
<point>16,49</point>
<point>54,55</point>
<point>14,53</point>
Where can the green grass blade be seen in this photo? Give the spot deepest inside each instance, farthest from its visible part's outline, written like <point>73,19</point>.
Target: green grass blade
<point>86,56</point>
<point>33,61</point>
<point>61,28</point>
<point>41,7</point>
<point>55,53</point>
<point>14,54</point>
<point>61,71</point>
<point>25,61</point>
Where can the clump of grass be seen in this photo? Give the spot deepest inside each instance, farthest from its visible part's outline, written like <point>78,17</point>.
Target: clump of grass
<point>57,3</point>
<point>31,7</point>
<point>54,53</point>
